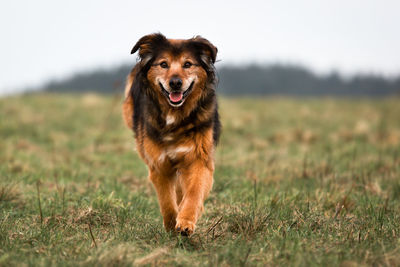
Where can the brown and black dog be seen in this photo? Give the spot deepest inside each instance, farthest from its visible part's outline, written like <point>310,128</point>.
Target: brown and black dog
<point>170,104</point>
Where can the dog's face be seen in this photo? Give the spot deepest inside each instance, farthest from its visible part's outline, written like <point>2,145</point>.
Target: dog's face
<point>176,70</point>
<point>176,76</point>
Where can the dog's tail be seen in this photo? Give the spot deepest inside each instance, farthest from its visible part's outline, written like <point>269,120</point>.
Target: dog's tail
<point>127,106</point>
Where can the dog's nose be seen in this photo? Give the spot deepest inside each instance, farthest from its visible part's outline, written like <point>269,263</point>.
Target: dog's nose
<point>175,83</point>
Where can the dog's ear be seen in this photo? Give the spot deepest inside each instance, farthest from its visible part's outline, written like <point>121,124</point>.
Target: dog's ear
<point>208,50</point>
<point>147,46</point>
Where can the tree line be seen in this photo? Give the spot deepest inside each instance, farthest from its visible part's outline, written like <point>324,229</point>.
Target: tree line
<point>248,80</point>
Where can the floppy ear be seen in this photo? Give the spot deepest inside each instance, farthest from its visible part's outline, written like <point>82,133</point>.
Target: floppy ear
<point>209,51</point>
<point>147,46</point>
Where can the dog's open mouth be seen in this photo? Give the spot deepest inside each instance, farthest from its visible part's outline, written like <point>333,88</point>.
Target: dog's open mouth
<point>176,98</point>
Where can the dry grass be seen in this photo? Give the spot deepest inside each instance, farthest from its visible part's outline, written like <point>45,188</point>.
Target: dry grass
<point>298,182</point>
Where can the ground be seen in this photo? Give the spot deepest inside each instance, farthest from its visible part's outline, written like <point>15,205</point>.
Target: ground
<point>298,182</point>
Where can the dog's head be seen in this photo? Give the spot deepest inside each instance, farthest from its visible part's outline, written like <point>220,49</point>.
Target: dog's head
<point>176,70</point>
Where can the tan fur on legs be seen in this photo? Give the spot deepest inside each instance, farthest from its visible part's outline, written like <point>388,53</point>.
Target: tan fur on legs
<point>178,190</point>
<point>165,187</point>
<point>196,185</point>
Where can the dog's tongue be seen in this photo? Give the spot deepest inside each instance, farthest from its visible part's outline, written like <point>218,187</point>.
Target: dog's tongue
<point>175,97</point>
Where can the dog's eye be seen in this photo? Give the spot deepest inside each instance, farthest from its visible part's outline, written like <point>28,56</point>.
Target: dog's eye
<point>187,65</point>
<point>164,65</point>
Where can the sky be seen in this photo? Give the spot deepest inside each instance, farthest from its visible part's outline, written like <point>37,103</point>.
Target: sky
<point>46,39</point>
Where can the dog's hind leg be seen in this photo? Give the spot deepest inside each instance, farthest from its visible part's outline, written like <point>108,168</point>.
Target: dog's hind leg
<point>165,187</point>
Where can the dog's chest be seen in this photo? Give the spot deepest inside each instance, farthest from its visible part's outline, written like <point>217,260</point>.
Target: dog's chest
<point>174,153</point>
<point>164,157</point>
<point>174,144</point>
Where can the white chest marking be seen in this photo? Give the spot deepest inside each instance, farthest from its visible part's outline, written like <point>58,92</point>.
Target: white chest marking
<point>173,152</point>
<point>170,119</point>
<point>168,138</point>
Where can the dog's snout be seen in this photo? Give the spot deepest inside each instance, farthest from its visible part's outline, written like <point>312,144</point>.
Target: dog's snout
<point>175,83</point>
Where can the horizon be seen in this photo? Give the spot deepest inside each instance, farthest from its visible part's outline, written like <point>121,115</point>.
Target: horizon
<point>219,65</point>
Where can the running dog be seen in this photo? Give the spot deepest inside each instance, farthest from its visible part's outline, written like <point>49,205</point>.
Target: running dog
<point>171,105</point>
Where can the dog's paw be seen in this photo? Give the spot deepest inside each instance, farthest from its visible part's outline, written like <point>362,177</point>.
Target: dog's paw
<point>185,227</point>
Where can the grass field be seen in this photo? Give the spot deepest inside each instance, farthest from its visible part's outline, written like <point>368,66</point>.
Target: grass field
<point>308,182</point>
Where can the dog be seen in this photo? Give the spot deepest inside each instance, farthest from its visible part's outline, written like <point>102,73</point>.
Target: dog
<point>171,106</point>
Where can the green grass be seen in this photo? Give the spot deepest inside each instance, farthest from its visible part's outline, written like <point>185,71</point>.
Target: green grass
<point>309,182</point>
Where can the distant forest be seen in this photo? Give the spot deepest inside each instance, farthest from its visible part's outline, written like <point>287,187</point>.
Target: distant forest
<point>273,79</point>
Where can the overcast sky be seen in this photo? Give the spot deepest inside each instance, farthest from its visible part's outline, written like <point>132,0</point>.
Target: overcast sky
<point>44,39</point>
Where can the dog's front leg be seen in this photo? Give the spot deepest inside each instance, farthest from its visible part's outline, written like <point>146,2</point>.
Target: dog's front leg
<point>165,187</point>
<point>196,182</point>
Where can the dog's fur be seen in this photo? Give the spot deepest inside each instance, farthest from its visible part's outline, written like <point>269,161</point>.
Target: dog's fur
<point>176,139</point>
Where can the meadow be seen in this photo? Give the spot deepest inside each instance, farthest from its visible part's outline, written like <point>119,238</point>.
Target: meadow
<point>299,182</point>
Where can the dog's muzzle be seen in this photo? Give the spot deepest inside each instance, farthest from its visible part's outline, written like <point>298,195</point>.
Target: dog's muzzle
<point>176,97</point>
